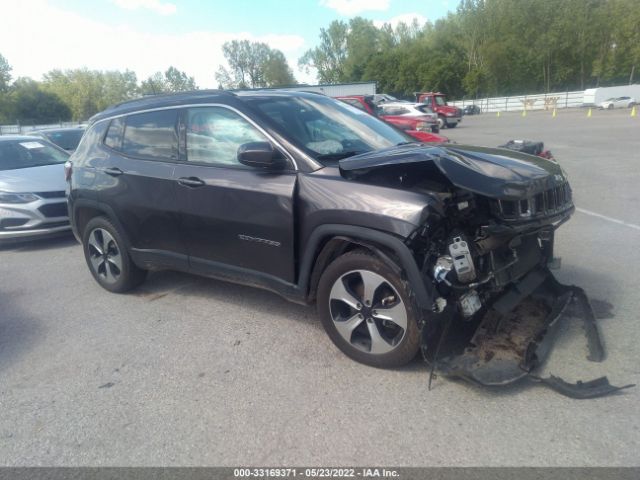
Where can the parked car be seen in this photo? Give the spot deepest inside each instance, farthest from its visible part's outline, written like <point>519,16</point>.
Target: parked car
<point>618,102</point>
<point>448,116</point>
<point>380,98</point>
<point>471,110</point>
<point>417,126</point>
<point>66,138</point>
<point>32,188</point>
<point>409,116</point>
<point>305,196</point>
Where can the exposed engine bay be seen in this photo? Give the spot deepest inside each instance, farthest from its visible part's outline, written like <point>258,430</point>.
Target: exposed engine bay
<point>486,249</point>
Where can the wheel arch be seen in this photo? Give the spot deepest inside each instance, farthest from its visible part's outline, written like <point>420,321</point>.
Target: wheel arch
<point>84,211</point>
<point>328,242</point>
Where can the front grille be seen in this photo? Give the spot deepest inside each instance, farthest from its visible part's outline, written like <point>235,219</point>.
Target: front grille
<point>544,204</point>
<point>54,210</point>
<point>57,194</point>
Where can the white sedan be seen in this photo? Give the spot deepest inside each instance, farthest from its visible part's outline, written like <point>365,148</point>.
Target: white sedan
<point>32,188</point>
<point>618,102</point>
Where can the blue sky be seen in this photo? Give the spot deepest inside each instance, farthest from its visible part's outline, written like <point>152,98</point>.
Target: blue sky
<point>149,35</point>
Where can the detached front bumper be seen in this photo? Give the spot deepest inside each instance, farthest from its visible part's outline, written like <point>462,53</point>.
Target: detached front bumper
<point>515,336</point>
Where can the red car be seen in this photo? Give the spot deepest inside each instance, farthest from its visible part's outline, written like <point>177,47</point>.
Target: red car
<point>448,116</point>
<point>422,127</point>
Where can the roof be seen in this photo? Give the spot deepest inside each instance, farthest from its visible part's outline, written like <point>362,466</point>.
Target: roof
<point>191,97</point>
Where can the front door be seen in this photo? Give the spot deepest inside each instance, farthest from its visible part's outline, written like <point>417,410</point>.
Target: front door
<point>231,214</point>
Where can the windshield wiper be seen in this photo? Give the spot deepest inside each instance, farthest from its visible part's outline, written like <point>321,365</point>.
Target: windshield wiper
<point>339,155</point>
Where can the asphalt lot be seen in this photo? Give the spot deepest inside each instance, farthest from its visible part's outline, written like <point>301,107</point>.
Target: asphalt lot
<point>191,371</point>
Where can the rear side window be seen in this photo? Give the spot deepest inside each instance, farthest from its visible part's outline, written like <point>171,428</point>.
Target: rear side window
<point>113,139</point>
<point>151,135</point>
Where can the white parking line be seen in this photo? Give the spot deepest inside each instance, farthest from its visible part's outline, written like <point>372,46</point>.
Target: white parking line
<point>604,217</point>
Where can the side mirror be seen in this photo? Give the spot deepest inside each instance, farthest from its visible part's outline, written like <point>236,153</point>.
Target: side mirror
<point>260,155</point>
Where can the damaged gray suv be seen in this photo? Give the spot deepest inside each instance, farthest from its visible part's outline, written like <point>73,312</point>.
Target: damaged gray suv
<point>397,242</point>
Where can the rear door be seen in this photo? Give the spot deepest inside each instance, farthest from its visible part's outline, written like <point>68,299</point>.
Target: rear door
<point>136,182</point>
<point>231,214</point>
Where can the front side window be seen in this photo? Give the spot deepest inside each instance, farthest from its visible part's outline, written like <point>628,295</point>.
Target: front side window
<point>151,135</point>
<point>215,133</point>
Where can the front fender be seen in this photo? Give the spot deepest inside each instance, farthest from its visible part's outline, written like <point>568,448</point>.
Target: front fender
<point>423,291</point>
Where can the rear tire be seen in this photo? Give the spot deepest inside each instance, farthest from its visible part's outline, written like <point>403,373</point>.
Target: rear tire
<point>107,255</point>
<point>369,311</point>
<point>610,107</point>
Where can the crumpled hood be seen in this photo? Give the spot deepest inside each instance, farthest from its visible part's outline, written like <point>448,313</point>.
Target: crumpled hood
<point>491,172</point>
<point>47,178</point>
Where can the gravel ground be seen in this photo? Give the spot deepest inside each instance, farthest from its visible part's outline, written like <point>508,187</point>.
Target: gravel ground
<point>192,371</point>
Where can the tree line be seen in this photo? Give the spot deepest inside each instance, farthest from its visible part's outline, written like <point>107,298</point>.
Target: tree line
<point>488,47</point>
<point>77,94</point>
<point>484,48</point>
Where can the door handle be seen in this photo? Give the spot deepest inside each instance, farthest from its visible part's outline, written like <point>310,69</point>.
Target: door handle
<point>191,182</point>
<point>113,171</point>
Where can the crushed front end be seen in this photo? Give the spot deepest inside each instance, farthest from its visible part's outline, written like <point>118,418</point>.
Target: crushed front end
<point>489,260</point>
<point>486,248</point>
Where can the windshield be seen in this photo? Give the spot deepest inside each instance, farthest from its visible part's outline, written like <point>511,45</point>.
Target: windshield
<point>440,101</point>
<point>327,129</point>
<point>68,139</point>
<point>28,153</point>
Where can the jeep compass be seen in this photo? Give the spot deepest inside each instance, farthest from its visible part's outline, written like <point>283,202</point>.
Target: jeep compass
<point>322,203</point>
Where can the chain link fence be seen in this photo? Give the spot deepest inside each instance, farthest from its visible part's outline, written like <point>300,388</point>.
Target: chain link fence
<point>543,101</point>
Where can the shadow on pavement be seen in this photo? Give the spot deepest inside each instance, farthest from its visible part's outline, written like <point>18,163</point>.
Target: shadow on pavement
<point>62,240</point>
<point>18,331</point>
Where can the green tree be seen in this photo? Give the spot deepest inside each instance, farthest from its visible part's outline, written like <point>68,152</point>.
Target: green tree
<point>329,57</point>
<point>5,74</point>
<point>171,81</point>
<point>277,72</point>
<point>29,103</point>
<point>253,65</point>
<point>117,87</point>
<point>80,89</point>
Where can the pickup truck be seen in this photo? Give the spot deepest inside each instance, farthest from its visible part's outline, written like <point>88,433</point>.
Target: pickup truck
<point>448,116</point>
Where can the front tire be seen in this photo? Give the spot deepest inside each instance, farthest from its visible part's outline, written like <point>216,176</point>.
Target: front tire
<point>369,311</point>
<point>442,122</point>
<point>107,256</point>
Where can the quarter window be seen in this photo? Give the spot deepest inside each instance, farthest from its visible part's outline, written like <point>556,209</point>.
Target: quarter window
<point>113,139</point>
<point>214,135</point>
<point>152,135</point>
